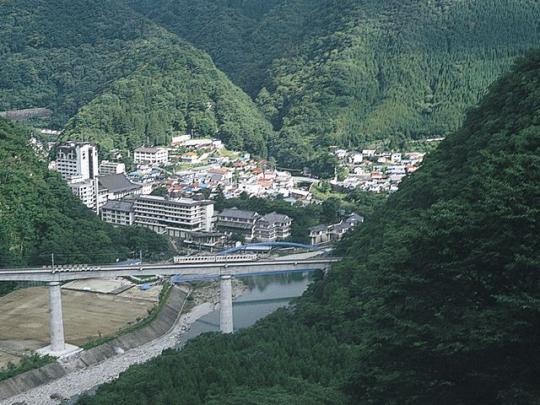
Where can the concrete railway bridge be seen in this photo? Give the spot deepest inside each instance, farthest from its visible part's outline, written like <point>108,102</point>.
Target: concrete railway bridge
<point>224,271</point>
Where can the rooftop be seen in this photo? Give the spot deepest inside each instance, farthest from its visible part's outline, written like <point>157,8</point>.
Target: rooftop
<point>119,205</point>
<point>176,201</point>
<point>236,213</point>
<point>147,149</point>
<point>117,183</point>
<point>274,218</point>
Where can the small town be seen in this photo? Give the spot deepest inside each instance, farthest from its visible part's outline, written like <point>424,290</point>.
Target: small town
<point>172,190</point>
<point>269,202</point>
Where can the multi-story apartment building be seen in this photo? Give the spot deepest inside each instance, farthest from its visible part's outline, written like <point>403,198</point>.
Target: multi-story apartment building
<point>106,167</point>
<point>272,227</point>
<point>119,212</point>
<point>151,155</point>
<point>175,217</point>
<point>77,160</point>
<point>85,189</point>
<point>235,221</point>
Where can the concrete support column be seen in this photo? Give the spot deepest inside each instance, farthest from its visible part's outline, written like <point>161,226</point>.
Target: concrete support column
<point>56,323</point>
<point>225,305</point>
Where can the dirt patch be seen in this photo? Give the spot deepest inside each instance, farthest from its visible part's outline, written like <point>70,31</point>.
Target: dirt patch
<point>135,292</point>
<point>87,316</point>
<point>6,358</point>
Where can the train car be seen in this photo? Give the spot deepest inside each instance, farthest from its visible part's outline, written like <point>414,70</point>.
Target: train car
<point>214,259</point>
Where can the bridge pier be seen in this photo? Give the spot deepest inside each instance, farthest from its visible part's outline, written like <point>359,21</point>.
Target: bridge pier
<point>58,346</point>
<point>225,304</point>
<point>56,321</point>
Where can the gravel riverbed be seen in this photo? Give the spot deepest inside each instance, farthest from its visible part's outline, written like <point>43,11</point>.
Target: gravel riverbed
<point>81,381</point>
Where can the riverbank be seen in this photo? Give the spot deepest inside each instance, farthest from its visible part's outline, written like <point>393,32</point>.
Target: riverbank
<point>80,381</point>
<point>203,301</point>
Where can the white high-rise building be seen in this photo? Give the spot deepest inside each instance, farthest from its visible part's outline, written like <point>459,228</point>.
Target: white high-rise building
<point>77,160</point>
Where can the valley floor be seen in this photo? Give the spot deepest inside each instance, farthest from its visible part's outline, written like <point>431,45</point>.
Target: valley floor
<point>87,316</point>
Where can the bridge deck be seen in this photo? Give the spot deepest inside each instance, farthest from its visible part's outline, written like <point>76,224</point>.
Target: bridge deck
<point>212,269</point>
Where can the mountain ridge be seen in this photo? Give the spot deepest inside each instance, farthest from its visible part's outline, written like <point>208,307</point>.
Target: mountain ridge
<point>437,300</point>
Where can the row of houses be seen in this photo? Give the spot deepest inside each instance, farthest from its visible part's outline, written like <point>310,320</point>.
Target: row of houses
<point>253,226</point>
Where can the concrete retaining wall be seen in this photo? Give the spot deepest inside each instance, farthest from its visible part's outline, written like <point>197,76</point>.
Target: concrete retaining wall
<point>163,322</point>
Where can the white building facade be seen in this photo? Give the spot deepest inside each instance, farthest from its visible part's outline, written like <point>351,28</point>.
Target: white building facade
<point>174,217</point>
<point>107,167</point>
<point>77,160</point>
<point>145,155</point>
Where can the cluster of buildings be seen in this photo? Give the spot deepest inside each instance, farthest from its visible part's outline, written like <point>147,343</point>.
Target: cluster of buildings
<point>194,222</point>
<point>95,184</point>
<point>192,170</point>
<point>375,171</point>
<point>251,226</point>
<point>202,165</point>
<point>245,177</point>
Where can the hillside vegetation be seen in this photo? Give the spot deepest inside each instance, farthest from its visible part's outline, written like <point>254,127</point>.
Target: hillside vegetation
<point>117,78</point>
<point>350,72</point>
<point>437,301</point>
<point>39,215</point>
<point>323,73</point>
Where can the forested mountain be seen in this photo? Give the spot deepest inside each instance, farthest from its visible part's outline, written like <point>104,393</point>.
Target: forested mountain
<point>125,80</point>
<point>322,72</point>
<point>437,301</point>
<point>349,72</point>
<point>39,215</point>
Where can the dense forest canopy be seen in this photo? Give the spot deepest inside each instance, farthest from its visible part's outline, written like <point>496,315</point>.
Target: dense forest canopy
<point>437,301</point>
<point>318,73</point>
<point>350,72</point>
<point>39,215</point>
<point>122,79</point>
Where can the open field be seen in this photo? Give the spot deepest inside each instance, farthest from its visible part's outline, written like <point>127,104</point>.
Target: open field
<point>87,316</point>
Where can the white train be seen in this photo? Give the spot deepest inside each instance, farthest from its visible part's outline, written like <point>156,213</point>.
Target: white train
<point>214,259</point>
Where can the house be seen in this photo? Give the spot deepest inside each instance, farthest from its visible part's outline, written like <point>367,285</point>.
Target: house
<point>151,155</point>
<point>190,158</point>
<point>329,233</point>
<point>340,154</point>
<point>106,167</point>
<point>205,240</point>
<point>85,189</point>
<point>369,152</point>
<point>180,140</point>
<point>395,157</point>
<point>272,227</point>
<point>319,234</point>
<point>356,158</point>
<point>235,221</point>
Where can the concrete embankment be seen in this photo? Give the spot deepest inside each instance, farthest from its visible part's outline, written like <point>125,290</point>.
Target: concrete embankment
<point>165,320</point>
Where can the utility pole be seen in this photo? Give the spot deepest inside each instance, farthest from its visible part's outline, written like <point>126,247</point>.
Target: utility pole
<point>52,261</point>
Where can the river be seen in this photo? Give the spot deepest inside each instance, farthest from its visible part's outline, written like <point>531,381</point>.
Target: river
<point>263,296</point>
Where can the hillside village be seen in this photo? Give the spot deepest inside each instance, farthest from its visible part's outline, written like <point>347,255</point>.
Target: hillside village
<point>172,190</point>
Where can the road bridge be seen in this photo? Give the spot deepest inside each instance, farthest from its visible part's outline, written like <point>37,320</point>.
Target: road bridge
<point>224,270</point>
